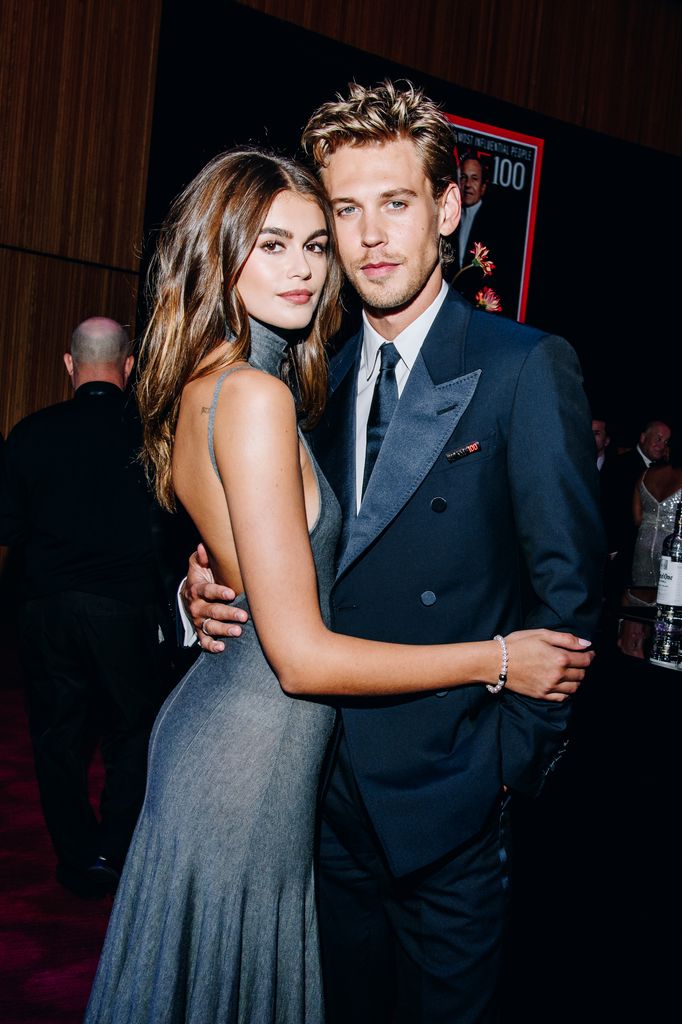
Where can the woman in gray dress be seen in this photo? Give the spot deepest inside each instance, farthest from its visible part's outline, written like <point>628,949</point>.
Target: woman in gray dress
<point>214,920</point>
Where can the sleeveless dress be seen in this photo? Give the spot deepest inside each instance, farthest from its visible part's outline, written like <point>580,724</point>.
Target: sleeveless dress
<point>658,520</point>
<point>215,921</point>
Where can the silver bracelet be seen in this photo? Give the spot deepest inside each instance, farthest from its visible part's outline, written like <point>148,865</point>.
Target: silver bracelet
<point>502,678</point>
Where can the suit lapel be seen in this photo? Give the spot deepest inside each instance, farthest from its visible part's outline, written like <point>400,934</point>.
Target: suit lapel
<point>434,399</point>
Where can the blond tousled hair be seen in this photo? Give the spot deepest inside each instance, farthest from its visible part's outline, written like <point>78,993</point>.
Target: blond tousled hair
<point>385,113</point>
<point>382,114</point>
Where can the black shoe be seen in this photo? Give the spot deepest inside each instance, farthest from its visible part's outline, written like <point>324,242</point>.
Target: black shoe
<point>103,874</point>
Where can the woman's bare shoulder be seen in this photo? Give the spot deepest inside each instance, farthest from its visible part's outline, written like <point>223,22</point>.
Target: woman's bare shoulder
<point>244,384</point>
<point>253,392</point>
<point>662,481</point>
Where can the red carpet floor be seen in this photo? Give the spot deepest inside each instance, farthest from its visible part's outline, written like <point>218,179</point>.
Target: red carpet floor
<point>49,938</point>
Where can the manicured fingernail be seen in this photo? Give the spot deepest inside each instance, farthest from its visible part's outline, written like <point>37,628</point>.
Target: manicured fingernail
<point>219,647</point>
<point>235,631</point>
<point>584,643</point>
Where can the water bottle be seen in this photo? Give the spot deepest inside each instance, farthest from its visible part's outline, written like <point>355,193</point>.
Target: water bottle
<point>667,645</point>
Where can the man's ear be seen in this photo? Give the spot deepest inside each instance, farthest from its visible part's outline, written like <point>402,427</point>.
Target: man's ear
<point>128,368</point>
<point>68,363</point>
<point>449,209</point>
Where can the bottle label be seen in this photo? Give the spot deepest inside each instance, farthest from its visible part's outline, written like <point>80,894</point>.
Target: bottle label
<point>669,582</point>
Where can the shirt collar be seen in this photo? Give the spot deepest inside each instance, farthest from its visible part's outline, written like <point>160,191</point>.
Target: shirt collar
<point>408,342</point>
<point>470,211</point>
<point>94,388</point>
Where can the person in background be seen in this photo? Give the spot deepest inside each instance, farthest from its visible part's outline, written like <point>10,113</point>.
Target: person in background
<point>74,504</point>
<point>472,185</point>
<point>655,502</point>
<point>618,481</point>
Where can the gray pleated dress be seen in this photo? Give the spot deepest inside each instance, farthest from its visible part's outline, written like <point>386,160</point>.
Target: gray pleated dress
<point>214,921</point>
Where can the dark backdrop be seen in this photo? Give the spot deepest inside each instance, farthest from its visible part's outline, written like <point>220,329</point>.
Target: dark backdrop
<point>606,259</point>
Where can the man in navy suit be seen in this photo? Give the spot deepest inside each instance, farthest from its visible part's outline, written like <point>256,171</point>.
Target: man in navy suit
<point>480,516</point>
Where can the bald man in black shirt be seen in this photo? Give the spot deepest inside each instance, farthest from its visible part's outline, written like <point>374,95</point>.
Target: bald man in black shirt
<point>74,502</point>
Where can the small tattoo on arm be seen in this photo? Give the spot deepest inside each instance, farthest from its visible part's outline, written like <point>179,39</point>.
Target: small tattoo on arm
<point>205,409</point>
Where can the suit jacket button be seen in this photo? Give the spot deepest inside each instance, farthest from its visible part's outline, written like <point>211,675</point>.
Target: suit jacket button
<point>428,598</point>
<point>439,505</point>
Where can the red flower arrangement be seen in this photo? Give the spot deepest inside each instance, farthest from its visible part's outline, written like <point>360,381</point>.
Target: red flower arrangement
<point>486,298</point>
<point>480,253</point>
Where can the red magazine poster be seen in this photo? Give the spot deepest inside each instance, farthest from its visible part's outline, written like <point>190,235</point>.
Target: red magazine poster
<point>498,172</point>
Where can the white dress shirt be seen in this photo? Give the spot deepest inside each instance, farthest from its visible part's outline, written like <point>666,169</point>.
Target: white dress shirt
<point>408,344</point>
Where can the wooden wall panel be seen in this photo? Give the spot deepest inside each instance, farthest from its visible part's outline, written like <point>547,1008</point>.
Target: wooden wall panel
<point>43,299</point>
<point>614,66</point>
<point>76,100</point>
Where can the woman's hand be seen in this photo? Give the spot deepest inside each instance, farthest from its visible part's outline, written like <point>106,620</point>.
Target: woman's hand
<point>546,664</point>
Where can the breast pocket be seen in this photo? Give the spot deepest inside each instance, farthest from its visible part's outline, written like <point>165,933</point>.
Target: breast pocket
<point>468,452</point>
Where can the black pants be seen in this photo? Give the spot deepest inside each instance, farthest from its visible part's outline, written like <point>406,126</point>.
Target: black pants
<point>424,949</point>
<point>92,668</point>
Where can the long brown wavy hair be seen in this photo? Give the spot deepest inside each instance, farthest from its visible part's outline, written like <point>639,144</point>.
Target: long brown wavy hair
<point>203,246</point>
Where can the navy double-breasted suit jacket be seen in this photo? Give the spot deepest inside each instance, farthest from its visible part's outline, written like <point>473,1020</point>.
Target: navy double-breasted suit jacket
<point>452,547</point>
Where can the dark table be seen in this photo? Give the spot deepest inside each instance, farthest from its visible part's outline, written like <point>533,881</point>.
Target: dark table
<point>596,861</point>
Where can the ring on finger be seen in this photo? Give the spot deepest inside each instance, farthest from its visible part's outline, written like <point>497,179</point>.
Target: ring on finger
<point>203,627</point>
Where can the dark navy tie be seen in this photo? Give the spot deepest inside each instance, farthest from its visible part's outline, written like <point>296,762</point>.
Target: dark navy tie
<point>384,401</point>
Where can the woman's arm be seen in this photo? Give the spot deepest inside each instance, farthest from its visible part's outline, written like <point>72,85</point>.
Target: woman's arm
<point>257,451</point>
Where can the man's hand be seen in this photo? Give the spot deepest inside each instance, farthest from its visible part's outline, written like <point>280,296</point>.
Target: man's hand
<point>206,602</point>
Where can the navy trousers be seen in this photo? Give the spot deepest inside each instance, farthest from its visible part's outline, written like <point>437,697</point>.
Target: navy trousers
<point>422,949</point>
